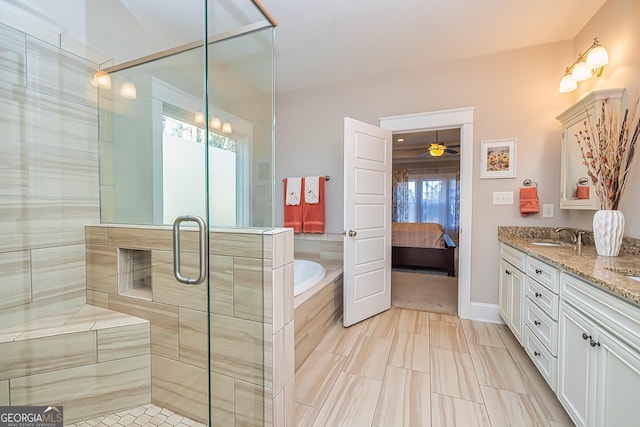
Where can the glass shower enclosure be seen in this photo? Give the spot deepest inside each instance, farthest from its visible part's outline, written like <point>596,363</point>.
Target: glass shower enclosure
<point>147,170</point>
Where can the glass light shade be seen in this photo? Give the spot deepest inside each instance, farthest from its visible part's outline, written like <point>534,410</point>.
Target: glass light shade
<point>215,123</point>
<point>226,127</point>
<point>580,72</point>
<point>436,150</point>
<point>199,118</point>
<point>128,90</point>
<point>598,57</point>
<point>567,84</point>
<point>101,79</point>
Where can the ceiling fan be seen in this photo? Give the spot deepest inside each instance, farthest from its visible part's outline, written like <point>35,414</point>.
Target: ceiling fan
<point>437,148</point>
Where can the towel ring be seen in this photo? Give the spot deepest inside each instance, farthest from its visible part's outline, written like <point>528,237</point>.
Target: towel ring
<point>583,181</point>
<point>527,182</point>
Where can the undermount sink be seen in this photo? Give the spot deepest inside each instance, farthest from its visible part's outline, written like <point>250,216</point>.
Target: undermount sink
<point>547,244</point>
<point>637,278</point>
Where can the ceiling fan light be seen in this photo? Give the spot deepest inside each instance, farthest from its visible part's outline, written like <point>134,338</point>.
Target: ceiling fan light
<point>436,150</point>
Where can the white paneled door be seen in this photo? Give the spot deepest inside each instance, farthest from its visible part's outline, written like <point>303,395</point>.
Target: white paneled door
<point>367,221</point>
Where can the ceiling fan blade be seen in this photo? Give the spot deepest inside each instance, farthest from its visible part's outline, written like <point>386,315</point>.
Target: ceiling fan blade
<point>450,151</point>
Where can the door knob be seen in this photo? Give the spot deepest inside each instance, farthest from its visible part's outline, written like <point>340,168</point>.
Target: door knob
<point>353,233</point>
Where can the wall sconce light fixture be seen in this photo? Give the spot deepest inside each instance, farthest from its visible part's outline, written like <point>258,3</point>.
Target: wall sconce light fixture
<point>215,123</point>
<point>226,128</point>
<point>590,63</point>
<point>128,90</point>
<point>101,79</point>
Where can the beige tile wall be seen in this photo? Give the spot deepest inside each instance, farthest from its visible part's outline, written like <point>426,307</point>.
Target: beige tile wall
<point>319,247</point>
<point>314,318</point>
<point>48,176</point>
<point>252,334</point>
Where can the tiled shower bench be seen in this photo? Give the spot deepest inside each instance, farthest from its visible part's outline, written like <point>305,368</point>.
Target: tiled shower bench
<point>91,360</point>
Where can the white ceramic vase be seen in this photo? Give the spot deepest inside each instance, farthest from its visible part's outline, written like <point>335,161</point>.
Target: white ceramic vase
<point>608,229</point>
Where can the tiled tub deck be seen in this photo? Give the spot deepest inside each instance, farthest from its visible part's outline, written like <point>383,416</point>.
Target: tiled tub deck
<point>91,360</point>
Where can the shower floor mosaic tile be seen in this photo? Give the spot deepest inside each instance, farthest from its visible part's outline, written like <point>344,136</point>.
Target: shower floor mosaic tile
<point>147,415</point>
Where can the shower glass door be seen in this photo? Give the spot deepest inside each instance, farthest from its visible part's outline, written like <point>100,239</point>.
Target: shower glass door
<point>196,142</point>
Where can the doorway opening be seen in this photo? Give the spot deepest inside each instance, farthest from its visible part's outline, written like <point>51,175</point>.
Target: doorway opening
<point>462,120</point>
<point>425,219</point>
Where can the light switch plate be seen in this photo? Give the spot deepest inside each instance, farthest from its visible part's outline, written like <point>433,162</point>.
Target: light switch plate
<point>547,210</point>
<point>503,197</point>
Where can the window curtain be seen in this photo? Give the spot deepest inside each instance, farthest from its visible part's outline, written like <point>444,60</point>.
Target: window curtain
<point>428,195</point>
<point>400,195</point>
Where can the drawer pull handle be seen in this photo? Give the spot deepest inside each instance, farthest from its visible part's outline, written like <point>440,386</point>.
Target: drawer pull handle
<point>535,353</point>
<point>593,343</point>
<point>538,271</point>
<point>535,322</point>
<point>585,336</point>
<point>538,294</point>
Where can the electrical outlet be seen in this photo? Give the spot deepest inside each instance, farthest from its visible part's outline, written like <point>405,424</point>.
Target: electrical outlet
<point>503,197</point>
<point>547,210</point>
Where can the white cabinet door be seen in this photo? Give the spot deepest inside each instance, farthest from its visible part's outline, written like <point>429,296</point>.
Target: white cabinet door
<point>511,298</point>
<point>504,292</point>
<point>518,293</point>
<point>617,396</point>
<point>576,360</point>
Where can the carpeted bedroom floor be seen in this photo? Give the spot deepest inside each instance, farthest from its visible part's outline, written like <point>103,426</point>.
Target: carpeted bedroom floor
<point>424,290</point>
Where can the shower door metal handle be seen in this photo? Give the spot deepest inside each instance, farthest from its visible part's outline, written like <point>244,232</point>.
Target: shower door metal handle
<point>202,249</point>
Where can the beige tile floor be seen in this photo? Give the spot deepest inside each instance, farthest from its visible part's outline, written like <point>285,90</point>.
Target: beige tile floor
<point>413,368</point>
<point>406,368</point>
<point>147,415</point>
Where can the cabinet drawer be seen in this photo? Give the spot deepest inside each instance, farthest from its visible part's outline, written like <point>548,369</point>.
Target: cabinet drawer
<point>546,363</point>
<point>543,297</point>
<point>542,325</point>
<point>547,275</point>
<point>513,256</point>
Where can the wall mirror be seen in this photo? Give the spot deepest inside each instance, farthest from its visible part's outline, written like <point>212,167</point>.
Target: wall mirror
<point>576,191</point>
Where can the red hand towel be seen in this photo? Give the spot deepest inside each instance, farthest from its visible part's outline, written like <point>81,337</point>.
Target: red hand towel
<point>313,214</point>
<point>529,203</point>
<point>293,213</point>
<point>582,192</point>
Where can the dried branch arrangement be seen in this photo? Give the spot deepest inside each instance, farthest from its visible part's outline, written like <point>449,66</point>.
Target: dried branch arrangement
<point>607,145</point>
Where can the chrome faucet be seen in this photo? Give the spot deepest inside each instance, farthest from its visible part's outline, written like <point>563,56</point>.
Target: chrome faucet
<point>576,237</point>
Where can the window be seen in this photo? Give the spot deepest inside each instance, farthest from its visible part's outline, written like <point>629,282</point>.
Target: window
<point>428,196</point>
<point>183,167</point>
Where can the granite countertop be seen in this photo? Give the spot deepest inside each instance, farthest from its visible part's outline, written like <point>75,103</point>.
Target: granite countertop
<point>608,273</point>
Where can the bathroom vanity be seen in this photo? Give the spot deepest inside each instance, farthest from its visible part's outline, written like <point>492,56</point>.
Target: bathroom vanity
<point>578,318</point>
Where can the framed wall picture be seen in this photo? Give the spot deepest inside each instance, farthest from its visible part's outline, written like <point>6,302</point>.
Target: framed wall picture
<point>498,159</point>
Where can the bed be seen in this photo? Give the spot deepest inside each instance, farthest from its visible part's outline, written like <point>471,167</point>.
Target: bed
<point>422,245</point>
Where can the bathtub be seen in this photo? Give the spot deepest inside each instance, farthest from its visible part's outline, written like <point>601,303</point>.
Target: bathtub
<point>306,274</point>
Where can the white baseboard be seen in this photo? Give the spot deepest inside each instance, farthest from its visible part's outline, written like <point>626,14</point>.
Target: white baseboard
<point>483,312</point>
